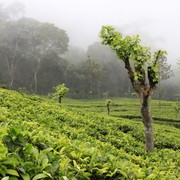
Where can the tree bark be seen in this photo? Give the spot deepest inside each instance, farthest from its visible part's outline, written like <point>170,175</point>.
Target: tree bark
<point>98,90</point>
<point>12,62</point>
<point>35,78</point>
<point>11,77</point>
<point>148,122</point>
<point>108,109</point>
<point>60,100</point>
<point>144,93</point>
<point>91,86</point>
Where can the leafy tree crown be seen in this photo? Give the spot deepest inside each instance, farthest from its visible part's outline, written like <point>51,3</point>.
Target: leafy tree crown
<point>61,90</point>
<point>139,60</point>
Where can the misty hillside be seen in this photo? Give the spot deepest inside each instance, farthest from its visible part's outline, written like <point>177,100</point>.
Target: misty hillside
<point>41,139</point>
<point>89,90</point>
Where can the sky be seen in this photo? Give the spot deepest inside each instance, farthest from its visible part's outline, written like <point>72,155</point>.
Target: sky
<point>157,21</point>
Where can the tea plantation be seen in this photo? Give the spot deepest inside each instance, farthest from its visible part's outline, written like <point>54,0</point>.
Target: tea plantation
<point>41,139</point>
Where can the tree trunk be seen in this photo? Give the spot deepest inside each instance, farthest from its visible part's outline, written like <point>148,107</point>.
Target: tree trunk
<point>159,94</point>
<point>12,74</point>
<point>35,81</point>
<point>60,100</point>
<point>35,78</point>
<point>108,108</point>
<point>91,86</point>
<point>98,90</point>
<point>148,122</point>
<point>11,81</point>
<point>129,87</point>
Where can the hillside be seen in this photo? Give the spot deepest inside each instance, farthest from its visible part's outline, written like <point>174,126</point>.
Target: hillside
<point>41,139</point>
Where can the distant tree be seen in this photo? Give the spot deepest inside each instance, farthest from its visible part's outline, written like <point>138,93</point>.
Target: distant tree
<point>165,72</point>
<point>95,75</point>
<point>112,73</point>
<point>105,95</point>
<point>75,55</point>
<point>13,48</point>
<point>108,102</point>
<point>30,41</point>
<point>61,90</point>
<point>177,109</point>
<point>177,105</point>
<point>48,38</point>
<point>177,97</point>
<point>12,42</point>
<point>142,69</point>
<point>51,72</point>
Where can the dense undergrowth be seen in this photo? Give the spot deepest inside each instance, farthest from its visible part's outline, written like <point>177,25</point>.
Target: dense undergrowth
<point>41,139</point>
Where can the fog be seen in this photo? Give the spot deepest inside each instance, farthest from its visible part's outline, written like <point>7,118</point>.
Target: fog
<point>157,22</point>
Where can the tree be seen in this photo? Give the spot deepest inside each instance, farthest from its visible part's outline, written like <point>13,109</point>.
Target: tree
<point>13,47</point>
<point>95,75</point>
<point>108,102</point>
<point>61,90</point>
<point>48,38</point>
<point>142,66</point>
<point>29,40</point>
<point>165,72</point>
<point>12,41</point>
<point>51,72</point>
<point>109,76</point>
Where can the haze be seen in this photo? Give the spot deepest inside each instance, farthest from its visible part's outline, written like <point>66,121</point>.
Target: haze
<point>156,21</point>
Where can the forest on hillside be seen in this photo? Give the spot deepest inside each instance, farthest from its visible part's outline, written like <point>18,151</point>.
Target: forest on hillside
<point>36,56</point>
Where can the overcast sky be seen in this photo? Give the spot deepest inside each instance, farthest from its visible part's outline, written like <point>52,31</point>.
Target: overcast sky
<point>157,21</point>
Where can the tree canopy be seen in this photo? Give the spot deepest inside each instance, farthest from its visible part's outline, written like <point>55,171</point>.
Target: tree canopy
<point>28,41</point>
<point>144,71</point>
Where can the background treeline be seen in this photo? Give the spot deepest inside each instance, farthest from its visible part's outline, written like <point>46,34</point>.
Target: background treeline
<point>36,56</point>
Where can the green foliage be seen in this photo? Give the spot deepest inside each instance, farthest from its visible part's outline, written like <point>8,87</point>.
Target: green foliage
<point>13,140</point>
<point>61,90</point>
<point>108,101</point>
<point>129,49</point>
<point>177,109</point>
<point>125,47</point>
<point>41,140</point>
<point>27,160</point>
